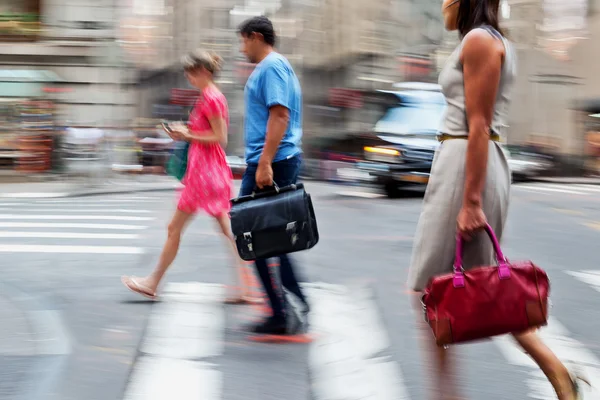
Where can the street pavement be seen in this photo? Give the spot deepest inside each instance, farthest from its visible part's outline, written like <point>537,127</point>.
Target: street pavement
<point>70,330</point>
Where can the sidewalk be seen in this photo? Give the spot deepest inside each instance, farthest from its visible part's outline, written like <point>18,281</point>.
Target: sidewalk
<point>78,188</point>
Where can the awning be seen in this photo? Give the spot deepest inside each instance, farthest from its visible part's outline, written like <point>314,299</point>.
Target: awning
<point>25,83</point>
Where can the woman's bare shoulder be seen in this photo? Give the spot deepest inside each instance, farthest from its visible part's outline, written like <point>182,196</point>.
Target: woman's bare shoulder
<point>481,43</point>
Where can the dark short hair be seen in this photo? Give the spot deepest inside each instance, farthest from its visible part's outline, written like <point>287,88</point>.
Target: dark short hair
<point>475,13</point>
<point>261,25</point>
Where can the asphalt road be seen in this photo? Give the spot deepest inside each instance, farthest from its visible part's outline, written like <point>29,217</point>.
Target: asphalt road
<point>69,330</point>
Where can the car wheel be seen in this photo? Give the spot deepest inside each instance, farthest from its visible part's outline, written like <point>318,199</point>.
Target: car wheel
<point>392,190</point>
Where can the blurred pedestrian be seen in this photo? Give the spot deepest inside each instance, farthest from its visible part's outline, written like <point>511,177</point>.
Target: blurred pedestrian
<point>470,178</point>
<point>273,131</point>
<point>208,179</point>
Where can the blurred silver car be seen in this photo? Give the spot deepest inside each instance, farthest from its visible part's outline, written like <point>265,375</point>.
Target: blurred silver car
<point>237,165</point>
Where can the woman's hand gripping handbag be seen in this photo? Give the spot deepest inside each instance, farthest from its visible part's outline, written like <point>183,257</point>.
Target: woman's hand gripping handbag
<point>274,222</point>
<point>486,301</point>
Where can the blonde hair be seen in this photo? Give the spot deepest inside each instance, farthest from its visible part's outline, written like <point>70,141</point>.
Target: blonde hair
<point>208,60</point>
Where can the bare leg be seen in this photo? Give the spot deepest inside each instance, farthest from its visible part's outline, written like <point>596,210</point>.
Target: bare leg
<point>151,282</point>
<point>553,368</point>
<point>242,276</point>
<point>440,363</point>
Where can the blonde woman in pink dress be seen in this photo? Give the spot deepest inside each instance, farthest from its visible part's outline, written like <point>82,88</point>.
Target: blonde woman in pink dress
<point>208,180</point>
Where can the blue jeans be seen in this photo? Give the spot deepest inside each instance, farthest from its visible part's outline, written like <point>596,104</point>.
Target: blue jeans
<point>284,173</point>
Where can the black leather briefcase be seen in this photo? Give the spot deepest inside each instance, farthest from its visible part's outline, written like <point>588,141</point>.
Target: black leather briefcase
<point>273,222</point>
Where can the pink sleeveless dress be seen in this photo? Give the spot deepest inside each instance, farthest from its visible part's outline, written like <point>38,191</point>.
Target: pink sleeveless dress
<point>208,180</point>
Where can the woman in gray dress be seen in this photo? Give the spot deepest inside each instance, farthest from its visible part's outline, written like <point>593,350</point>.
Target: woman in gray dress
<point>470,177</point>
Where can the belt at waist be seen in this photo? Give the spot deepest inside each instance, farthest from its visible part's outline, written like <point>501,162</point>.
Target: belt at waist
<point>443,137</point>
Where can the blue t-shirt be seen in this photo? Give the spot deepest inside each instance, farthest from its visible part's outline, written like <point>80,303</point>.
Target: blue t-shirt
<point>273,82</point>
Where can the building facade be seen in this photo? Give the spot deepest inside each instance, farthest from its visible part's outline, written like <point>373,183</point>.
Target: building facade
<point>76,41</point>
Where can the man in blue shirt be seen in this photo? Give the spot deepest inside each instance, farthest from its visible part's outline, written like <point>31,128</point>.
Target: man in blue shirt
<point>273,133</point>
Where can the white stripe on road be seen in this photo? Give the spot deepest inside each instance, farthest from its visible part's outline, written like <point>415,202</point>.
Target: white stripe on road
<point>158,378</point>
<point>548,189</point>
<point>187,325</point>
<point>569,350</point>
<point>345,358</point>
<point>589,277</point>
<point>589,188</point>
<point>69,225</point>
<point>75,217</point>
<point>34,248</point>
<point>364,195</point>
<point>31,195</point>
<point>74,205</point>
<point>71,210</point>
<point>86,201</point>
<point>68,235</point>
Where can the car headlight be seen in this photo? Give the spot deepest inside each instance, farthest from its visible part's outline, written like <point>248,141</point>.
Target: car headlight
<point>382,154</point>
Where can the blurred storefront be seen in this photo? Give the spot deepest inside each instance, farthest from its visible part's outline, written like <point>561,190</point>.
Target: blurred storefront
<point>75,41</point>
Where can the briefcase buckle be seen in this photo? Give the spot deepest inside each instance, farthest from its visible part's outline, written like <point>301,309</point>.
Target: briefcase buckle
<point>248,241</point>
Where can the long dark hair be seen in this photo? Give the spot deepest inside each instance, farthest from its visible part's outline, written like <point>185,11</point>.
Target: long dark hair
<point>474,13</point>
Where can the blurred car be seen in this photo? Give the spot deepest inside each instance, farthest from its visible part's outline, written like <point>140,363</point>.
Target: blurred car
<point>405,139</point>
<point>526,163</point>
<point>237,165</point>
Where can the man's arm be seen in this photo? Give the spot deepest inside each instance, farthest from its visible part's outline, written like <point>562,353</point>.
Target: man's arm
<point>279,117</point>
<point>276,94</point>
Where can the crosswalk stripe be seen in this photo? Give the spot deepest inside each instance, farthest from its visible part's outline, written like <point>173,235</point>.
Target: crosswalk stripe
<point>86,201</point>
<point>82,206</point>
<point>345,358</point>
<point>589,277</point>
<point>32,195</point>
<point>548,189</point>
<point>569,350</point>
<point>69,225</point>
<point>74,217</point>
<point>68,235</point>
<point>587,187</point>
<point>92,210</point>
<point>184,329</point>
<point>34,248</point>
<point>364,195</point>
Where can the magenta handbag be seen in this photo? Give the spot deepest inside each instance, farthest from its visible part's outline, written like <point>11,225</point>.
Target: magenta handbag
<point>486,301</point>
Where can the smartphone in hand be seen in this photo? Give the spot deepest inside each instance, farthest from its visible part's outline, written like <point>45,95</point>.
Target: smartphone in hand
<point>166,127</point>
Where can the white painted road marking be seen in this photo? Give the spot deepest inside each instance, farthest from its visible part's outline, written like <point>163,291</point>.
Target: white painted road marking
<point>358,193</point>
<point>346,359</point>
<point>188,324</point>
<point>549,189</point>
<point>69,235</point>
<point>569,350</point>
<point>589,277</point>
<point>97,201</point>
<point>578,189</point>
<point>158,378</point>
<point>69,225</point>
<point>75,217</point>
<point>88,210</point>
<point>31,195</point>
<point>36,248</point>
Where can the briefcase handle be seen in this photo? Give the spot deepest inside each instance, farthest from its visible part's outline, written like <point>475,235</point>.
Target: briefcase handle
<point>268,189</point>
<point>271,191</point>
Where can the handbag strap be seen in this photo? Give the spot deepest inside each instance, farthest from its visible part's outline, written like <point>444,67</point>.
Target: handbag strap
<point>503,268</point>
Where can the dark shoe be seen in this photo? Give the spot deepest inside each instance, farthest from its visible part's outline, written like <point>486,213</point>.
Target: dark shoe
<point>272,326</point>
